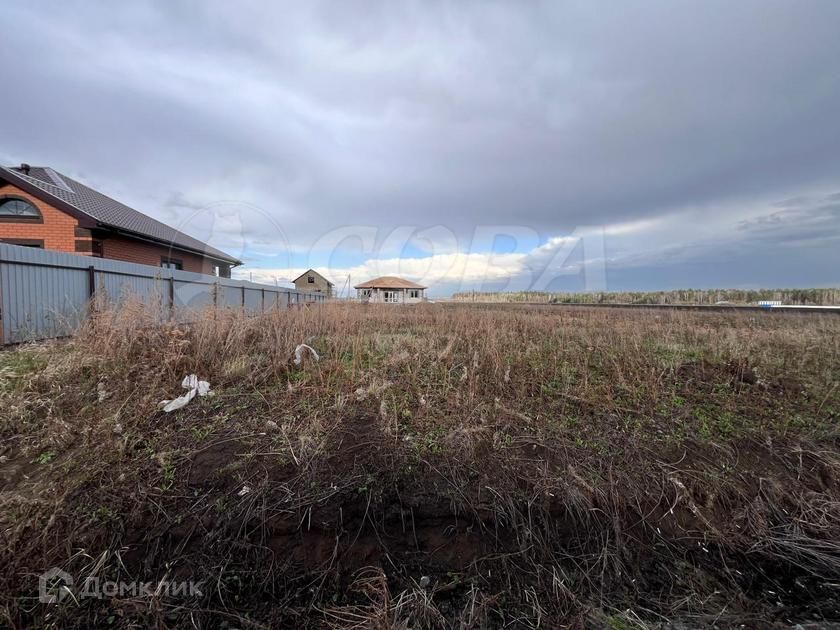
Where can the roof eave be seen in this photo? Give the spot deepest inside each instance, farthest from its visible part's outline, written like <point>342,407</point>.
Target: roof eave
<point>234,262</point>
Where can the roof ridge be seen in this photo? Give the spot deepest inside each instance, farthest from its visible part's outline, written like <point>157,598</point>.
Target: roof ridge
<point>314,271</point>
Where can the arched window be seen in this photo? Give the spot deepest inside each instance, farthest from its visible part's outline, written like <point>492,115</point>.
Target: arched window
<point>17,210</point>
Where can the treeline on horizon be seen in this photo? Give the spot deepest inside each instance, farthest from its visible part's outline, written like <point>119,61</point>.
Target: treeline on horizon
<point>810,297</point>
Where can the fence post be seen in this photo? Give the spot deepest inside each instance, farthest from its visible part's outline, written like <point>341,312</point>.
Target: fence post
<point>263,299</point>
<point>91,289</point>
<point>216,300</point>
<point>171,297</point>
<point>243,296</point>
<point>288,299</point>
<point>91,281</point>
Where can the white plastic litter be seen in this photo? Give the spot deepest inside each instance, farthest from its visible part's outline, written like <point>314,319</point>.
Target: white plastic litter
<point>245,490</point>
<point>196,387</point>
<point>299,353</point>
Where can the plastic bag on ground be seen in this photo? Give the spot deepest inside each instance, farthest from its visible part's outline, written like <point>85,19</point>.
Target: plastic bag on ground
<point>195,387</point>
<point>299,353</point>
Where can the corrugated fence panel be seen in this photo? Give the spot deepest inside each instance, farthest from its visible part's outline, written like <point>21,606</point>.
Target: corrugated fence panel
<point>253,300</point>
<point>193,295</point>
<point>118,289</point>
<point>37,301</point>
<point>45,293</point>
<point>230,297</point>
<point>40,301</point>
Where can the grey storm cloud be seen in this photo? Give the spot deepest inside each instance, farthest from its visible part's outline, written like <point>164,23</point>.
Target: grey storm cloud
<point>547,115</point>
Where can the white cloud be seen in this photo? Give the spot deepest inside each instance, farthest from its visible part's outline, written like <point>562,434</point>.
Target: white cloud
<point>690,234</point>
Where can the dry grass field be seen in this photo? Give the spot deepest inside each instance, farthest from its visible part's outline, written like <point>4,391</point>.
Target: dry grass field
<point>440,466</point>
<point>816,296</point>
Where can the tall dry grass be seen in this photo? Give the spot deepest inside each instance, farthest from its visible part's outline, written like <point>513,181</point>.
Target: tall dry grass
<point>582,459</point>
<point>528,357</point>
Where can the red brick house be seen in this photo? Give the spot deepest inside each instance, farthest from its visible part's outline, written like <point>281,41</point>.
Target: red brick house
<point>40,207</point>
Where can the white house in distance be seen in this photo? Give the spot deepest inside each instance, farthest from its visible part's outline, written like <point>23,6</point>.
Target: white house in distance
<point>390,290</point>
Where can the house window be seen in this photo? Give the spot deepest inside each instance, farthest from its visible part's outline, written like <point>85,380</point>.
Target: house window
<point>24,242</point>
<point>220,270</point>
<point>414,293</point>
<point>310,279</point>
<point>17,210</point>
<point>89,246</point>
<point>171,263</point>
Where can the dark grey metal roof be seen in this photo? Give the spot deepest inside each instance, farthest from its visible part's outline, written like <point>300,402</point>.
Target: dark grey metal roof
<point>104,210</point>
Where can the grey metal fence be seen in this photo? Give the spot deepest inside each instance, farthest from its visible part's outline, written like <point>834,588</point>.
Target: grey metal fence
<point>47,294</point>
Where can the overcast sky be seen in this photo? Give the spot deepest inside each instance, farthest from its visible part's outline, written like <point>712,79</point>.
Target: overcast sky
<point>464,144</point>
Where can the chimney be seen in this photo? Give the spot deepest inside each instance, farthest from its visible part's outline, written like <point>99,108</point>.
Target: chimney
<point>24,168</point>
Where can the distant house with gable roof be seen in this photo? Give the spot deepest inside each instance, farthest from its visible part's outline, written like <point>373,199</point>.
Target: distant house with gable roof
<point>311,280</point>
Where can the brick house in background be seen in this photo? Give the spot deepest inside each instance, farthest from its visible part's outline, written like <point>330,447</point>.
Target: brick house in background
<point>311,280</point>
<point>40,207</point>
